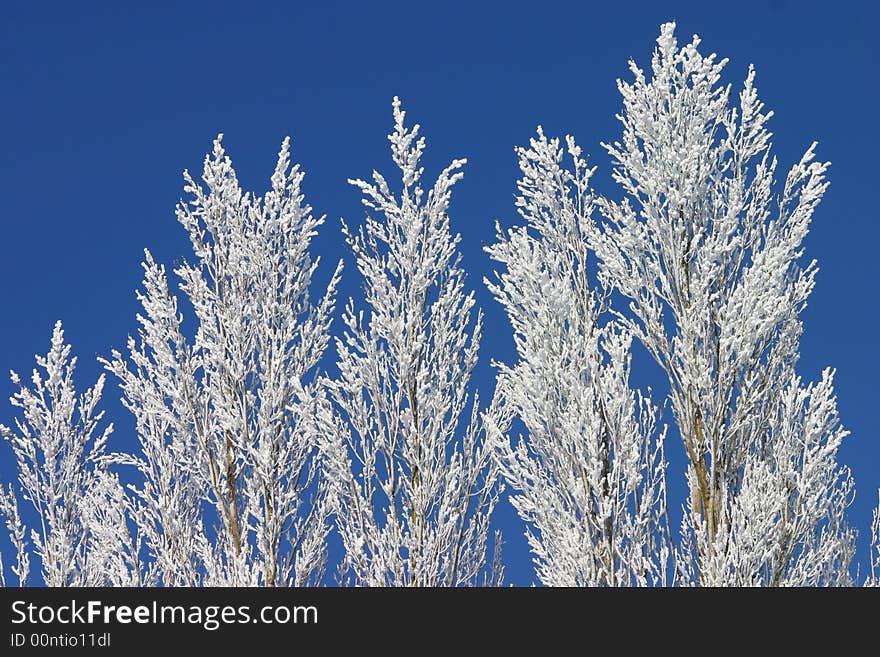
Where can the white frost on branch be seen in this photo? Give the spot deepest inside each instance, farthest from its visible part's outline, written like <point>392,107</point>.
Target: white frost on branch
<point>784,525</point>
<point>590,475</point>
<point>414,488</point>
<point>82,538</point>
<point>231,492</point>
<point>707,255</point>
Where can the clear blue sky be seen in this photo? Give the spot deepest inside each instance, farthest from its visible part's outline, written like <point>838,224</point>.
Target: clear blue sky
<point>104,105</point>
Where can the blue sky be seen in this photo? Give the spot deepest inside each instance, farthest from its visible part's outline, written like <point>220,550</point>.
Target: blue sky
<point>104,105</point>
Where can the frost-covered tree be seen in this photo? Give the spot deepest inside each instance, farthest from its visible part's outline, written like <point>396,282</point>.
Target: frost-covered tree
<point>80,536</point>
<point>707,255</point>
<point>589,476</point>
<point>414,479</point>
<point>231,492</point>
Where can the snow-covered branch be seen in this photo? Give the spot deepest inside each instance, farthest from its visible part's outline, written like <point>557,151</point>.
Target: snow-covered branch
<point>708,257</point>
<point>81,537</point>
<point>414,481</point>
<point>590,474</point>
<point>230,491</point>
